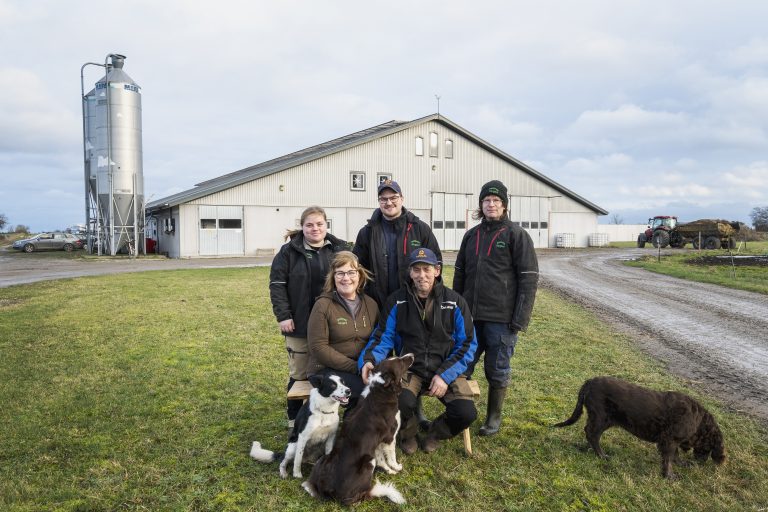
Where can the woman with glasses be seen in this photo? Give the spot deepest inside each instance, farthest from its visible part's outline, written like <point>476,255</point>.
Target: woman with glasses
<point>341,323</point>
<point>297,278</point>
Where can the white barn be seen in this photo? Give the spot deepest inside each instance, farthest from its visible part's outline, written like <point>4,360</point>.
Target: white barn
<point>439,165</point>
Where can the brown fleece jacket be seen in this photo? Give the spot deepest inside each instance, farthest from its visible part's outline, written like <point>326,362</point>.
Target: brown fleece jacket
<point>335,338</point>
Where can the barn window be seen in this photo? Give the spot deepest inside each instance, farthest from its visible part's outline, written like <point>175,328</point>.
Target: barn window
<point>207,223</point>
<point>230,224</point>
<point>448,148</point>
<point>381,178</point>
<point>433,144</point>
<point>419,146</point>
<point>356,181</point>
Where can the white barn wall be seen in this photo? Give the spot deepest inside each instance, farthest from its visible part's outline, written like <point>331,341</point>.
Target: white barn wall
<point>622,232</point>
<point>169,243</point>
<point>325,181</point>
<point>188,228</point>
<point>580,224</point>
<point>271,204</point>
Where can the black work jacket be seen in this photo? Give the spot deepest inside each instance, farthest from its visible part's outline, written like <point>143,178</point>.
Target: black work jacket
<point>290,280</point>
<point>370,249</point>
<point>498,273</point>
<point>443,342</point>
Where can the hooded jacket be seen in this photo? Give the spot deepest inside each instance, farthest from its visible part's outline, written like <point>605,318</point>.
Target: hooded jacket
<point>412,233</point>
<point>290,280</point>
<point>335,336</point>
<point>497,273</point>
<point>443,343</point>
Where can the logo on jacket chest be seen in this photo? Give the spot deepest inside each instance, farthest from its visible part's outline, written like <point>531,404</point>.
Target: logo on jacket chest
<point>342,321</point>
<point>415,243</point>
<point>448,304</point>
<point>500,244</point>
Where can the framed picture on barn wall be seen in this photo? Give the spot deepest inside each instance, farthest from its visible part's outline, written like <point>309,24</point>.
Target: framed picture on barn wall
<point>356,181</point>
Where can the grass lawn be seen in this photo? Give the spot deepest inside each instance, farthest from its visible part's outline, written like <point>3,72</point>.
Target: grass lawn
<point>144,392</point>
<point>689,265</point>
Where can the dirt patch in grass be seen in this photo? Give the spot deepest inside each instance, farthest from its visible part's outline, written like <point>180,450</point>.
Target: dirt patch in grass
<point>738,261</point>
<point>7,303</point>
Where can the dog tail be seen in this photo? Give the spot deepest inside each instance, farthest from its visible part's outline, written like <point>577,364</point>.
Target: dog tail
<point>260,454</point>
<point>577,410</point>
<point>386,491</point>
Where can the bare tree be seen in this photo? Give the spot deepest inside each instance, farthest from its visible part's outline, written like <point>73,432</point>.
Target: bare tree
<point>759,216</point>
<point>3,221</point>
<point>617,219</point>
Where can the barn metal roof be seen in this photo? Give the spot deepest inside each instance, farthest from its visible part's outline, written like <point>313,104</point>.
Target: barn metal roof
<point>342,143</point>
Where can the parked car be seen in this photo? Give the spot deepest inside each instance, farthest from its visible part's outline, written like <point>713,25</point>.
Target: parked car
<point>49,241</point>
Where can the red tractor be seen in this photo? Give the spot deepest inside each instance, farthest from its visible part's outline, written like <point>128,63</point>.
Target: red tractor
<point>664,230</point>
<point>661,232</point>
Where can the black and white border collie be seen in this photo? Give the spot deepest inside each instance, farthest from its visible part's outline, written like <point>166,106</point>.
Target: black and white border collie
<point>346,474</point>
<point>315,425</point>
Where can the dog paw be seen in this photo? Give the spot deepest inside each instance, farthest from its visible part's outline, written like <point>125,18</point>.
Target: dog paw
<point>283,473</point>
<point>397,467</point>
<point>297,474</point>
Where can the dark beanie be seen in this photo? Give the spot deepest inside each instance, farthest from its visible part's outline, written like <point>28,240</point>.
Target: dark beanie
<point>496,188</point>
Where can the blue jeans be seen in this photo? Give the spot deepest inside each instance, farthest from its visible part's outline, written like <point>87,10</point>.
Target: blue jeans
<point>498,342</point>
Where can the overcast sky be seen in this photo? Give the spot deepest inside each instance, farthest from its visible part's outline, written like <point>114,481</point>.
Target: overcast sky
<point>644,108</point>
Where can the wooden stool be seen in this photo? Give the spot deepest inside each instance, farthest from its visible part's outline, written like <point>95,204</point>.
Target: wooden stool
<point>300,390</point>
<point>467,439</point>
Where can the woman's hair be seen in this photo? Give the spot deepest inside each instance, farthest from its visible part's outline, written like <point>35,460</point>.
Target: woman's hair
<point>339,260</point>
<point>312,210</point>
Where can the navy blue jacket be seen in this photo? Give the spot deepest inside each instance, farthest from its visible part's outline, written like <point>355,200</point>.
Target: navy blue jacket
<point>445,347</point>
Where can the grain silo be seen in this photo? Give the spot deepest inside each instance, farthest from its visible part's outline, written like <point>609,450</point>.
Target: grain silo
<point>114,180</point>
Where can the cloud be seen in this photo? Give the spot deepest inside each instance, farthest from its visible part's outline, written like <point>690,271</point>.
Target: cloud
<point>33,121</point>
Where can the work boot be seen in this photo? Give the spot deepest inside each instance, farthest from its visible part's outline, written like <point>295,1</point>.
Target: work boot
<point>408,442</point>
<point>424,422</point>
<point>493,416</point>
<point>438,431</point>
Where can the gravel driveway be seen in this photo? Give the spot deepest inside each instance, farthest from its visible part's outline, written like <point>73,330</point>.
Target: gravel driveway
<point>714,336</point>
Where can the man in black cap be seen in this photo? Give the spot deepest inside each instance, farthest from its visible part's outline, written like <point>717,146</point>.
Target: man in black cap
<point>431,322</point>
<point>497,273</point>
<point>384,243</point>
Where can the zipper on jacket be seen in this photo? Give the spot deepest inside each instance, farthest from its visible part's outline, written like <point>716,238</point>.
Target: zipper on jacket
<point>405,239</point>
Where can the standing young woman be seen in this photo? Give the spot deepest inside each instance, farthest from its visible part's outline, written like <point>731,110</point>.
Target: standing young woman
<point>297,278</point>
<point>341,322</point>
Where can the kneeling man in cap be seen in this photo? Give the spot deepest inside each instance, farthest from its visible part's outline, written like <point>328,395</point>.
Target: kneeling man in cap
<point>432,322</point>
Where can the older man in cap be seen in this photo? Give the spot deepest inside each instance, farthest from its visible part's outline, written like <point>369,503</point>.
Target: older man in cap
<point>433,323</point>
<point>497,272</point>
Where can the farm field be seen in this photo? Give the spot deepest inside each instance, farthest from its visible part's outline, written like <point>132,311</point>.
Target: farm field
<point>144,392</point>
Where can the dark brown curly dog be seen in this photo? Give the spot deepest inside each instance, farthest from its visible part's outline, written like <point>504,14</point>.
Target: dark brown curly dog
<point>670,419</point>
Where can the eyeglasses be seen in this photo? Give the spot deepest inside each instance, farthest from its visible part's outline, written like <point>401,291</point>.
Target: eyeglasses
<point>492,201</point>
<point>349,273</point>
<point>385,200</point>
